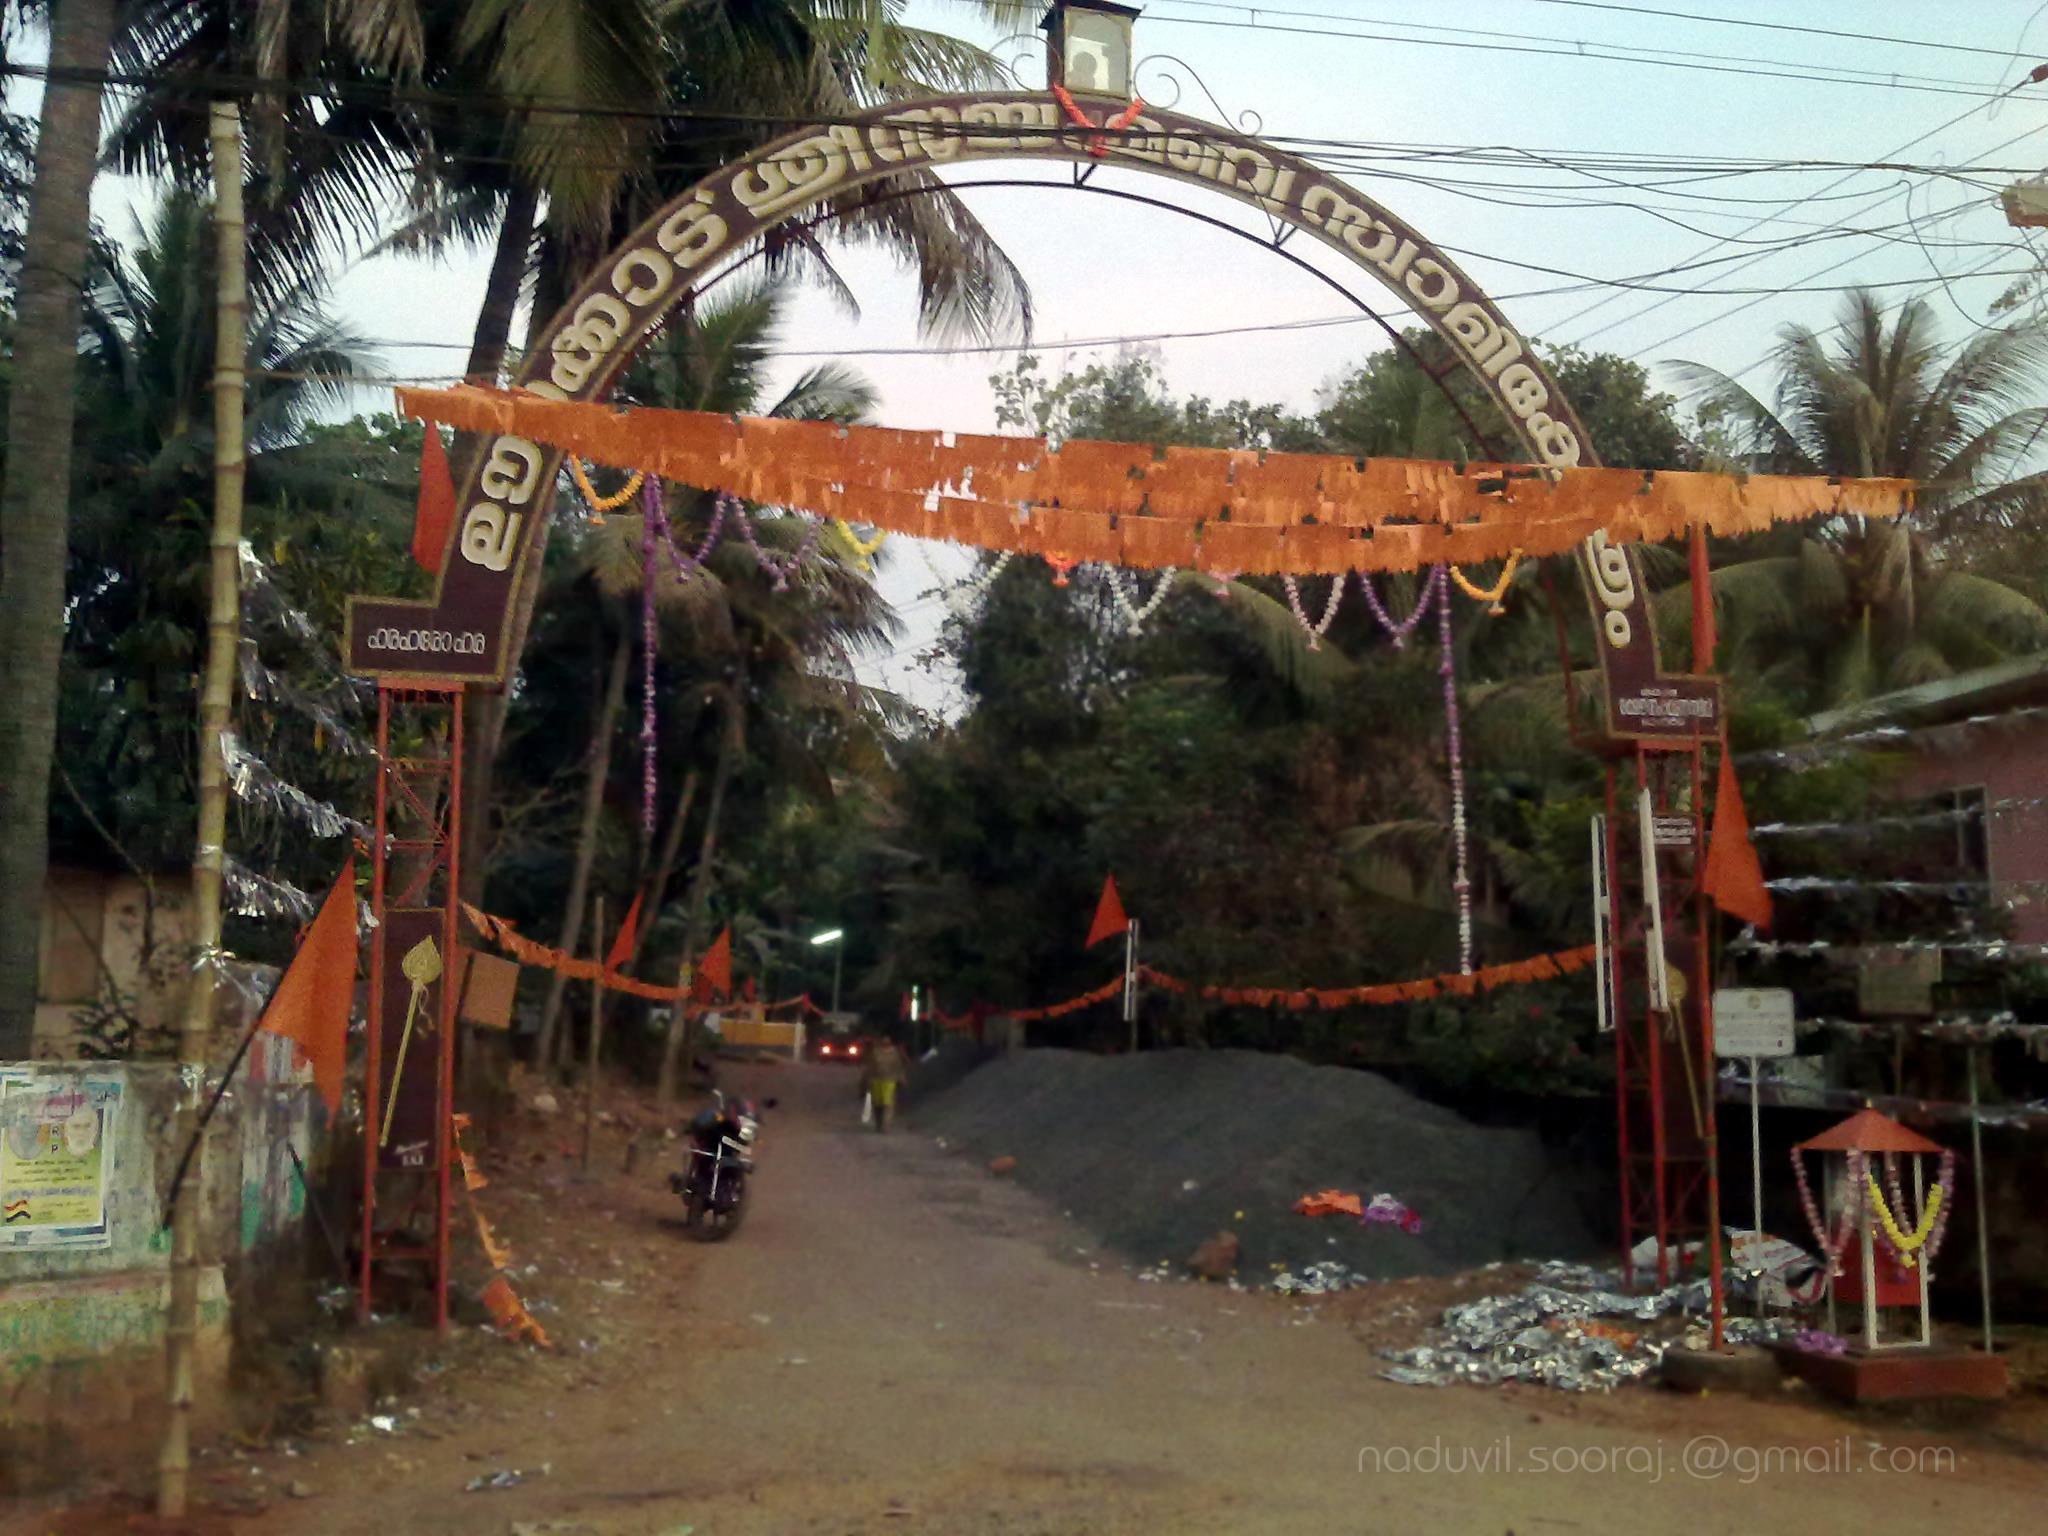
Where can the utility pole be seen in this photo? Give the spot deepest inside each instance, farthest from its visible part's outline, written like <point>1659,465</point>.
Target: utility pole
<point>223,633</point>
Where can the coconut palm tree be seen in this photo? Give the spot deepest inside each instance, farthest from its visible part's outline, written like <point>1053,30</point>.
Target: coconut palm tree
<point>33,504</point>
<point>745,635</point>
<point>137,546</point>
<point>1841,609</point>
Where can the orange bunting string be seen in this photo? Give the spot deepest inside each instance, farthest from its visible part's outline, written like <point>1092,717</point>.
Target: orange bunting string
<point>1486,978</point>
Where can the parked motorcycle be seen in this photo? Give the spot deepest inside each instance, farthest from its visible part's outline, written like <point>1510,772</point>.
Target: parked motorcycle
<point>718,1156</point>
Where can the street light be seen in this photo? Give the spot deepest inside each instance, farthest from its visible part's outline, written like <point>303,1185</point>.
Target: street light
<point>833,936</point>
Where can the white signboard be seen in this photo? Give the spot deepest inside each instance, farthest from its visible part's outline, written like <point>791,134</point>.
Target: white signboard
<point>1753,1021</point>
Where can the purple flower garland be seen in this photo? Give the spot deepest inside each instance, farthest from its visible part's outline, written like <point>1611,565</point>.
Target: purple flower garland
<point>652,502</point>
<point>657,513</point>
<point>1402,630</point>
<point>1454,749</point>
<point>780,569</point>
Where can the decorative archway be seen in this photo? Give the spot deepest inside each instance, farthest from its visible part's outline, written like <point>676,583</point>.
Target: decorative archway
<point>465,634</point>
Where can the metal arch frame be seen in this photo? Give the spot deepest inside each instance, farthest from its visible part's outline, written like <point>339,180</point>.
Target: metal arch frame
<point>466,636</point>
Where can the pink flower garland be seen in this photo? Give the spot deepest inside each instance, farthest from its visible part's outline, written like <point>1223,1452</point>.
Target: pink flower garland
<point>1831,1249</point>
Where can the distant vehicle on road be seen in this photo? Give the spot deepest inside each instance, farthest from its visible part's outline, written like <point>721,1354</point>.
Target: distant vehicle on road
<point>846,1048</point>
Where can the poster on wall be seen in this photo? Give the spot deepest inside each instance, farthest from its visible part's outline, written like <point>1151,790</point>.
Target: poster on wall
<point>56,1156</point>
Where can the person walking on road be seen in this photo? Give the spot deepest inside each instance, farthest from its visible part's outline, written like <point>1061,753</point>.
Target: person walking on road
<point>886,1069</point>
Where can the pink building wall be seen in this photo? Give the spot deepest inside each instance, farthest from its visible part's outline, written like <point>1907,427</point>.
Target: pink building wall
<point>2006,762</point>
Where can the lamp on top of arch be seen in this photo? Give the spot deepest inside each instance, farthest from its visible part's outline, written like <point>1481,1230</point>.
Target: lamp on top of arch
<point>1088,47</point>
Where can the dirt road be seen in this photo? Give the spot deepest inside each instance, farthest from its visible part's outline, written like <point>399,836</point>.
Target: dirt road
<point>898,1342</point>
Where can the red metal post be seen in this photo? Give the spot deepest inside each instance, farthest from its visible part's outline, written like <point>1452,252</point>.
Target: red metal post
<point>1709,1080</point>
<point>1654,1047</point>
<point>1622,1026</point>
<point>451,989</point>
<point>371,1118</point>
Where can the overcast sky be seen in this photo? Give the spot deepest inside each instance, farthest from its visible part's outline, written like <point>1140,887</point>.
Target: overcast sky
<point>1543,240</point>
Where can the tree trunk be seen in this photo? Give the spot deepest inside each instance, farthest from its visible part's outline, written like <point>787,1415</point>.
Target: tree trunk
<point>501,290</point>
<point>656,886</point>
<point>700,893</point>
<point>484,713</point>
<point>35,502</point>
<point>586,838</point>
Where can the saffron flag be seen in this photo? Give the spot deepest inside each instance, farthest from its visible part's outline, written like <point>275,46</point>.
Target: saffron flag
<point>714,971</point>
<point>1109,915</point>
<point>434,512</point>
<point>629,932</point>
<point>1734,880</point>
<point>311,1004</point>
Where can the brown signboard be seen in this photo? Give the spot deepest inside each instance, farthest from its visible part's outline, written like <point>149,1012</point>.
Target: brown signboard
<point>465,631</point>
<point>411,1039</point>
<point>489,986</point>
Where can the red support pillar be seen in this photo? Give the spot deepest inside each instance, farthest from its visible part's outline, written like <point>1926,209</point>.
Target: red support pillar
<point>415,972</point>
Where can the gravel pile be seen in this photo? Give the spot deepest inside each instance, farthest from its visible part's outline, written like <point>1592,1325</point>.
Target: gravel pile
<point>1157,1152</point>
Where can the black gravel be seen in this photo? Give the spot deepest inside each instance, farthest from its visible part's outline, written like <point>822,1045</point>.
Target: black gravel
<point>1116,1140</point>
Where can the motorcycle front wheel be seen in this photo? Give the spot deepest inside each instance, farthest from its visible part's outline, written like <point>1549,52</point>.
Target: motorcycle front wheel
<point>709,1226</point>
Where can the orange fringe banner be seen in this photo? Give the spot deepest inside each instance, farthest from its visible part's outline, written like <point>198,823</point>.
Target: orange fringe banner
<point>1136,505</point>
<point>1512,973</point>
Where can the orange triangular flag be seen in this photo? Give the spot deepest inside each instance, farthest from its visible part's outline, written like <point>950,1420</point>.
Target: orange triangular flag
<point>714,971</point>
<point>434,512</point>
<point>1109,915</point>
<point>1734,880</point>
<point>629,931</point>
<point>312,1000</point>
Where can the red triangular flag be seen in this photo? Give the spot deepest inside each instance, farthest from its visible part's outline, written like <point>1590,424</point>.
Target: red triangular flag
<point>312,1000</point>
<point>629,932</point>
<point>1109,915</point>
<point>434,513</point>
<point>1733,879</point>
<point>714,971</point>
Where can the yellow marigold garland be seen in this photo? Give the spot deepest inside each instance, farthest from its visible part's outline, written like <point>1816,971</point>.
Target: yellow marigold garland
<point>863,549</point>
<point>1905,1244</point>
<point>599,505</point>
<point>1490,595</point>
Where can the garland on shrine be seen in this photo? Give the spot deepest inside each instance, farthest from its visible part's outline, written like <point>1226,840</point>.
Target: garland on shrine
<point>1831,1248</point>
<point>1928,1232</point>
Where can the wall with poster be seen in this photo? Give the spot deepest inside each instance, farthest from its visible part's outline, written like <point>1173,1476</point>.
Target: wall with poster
<point>86,1151</point>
